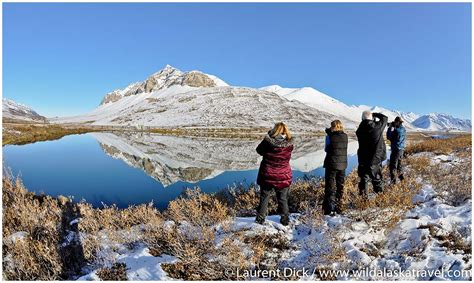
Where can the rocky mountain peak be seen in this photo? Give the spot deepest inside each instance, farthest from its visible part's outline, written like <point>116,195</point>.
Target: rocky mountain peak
<point>164,78</point>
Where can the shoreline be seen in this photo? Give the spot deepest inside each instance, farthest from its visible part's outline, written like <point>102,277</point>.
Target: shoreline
<point>20,132</point>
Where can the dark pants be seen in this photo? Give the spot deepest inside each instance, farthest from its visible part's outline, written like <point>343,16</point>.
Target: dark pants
<point>369,174</point>
<point>333,191</point>
<point>396,166</point>
<point>282,199</point>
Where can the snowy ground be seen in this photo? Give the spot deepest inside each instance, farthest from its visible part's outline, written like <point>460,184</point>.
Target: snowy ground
<point>141,265</point>
<point>421,246</point>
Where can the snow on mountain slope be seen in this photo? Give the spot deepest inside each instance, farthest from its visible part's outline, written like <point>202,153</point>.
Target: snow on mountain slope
<point>323,102</point>
<point>442,122</point>
<point>171,98</point>
<point>14,110</point>
<point>317,100</point>
<point>167,77</point>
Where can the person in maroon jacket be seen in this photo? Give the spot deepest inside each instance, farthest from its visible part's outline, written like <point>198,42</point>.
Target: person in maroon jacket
<point>275,172</point>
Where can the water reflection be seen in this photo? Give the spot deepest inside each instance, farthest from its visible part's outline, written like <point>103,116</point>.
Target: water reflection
<point>170,159</point>
<point>133,168</point>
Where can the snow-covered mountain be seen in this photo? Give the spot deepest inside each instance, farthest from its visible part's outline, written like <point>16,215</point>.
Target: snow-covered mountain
<point>442,122</point>
<point>172,98</point>
<point>17,111</point>
<point>165,78</point>
<point>323,102</point>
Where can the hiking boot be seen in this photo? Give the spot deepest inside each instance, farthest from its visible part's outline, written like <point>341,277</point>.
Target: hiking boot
<point>260,221</point>
<point>285,220</point>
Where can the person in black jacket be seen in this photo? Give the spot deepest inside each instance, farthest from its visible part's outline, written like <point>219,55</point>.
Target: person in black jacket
<point>335,164</point>
<point>371,152</point>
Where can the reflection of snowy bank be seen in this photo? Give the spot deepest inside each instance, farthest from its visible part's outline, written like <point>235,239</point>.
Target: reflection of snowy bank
<point>170,159</point>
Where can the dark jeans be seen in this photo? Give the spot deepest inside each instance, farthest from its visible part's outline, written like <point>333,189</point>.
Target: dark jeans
<point>369,174</point>
<point>334,190</point>
<point>282,199</point>
<point>396,166</point>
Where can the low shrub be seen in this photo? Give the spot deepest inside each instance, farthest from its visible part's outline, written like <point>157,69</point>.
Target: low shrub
<point>244,200</point>
<point>440,146</point>
<point>117,272</point>
<point>198,209</point>
<point>32,233</point>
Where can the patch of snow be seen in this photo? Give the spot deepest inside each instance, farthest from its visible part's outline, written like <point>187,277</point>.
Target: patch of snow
<point>141,265</point>
<point>17,236</point>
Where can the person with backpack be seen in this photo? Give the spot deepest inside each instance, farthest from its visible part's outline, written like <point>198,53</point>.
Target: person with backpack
<point>335,164</point>
<point>372,151</point>
<point>275,172</point>
<point>396,134</point>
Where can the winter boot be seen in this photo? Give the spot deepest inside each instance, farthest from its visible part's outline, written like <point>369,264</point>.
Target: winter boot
<point>285,220</point>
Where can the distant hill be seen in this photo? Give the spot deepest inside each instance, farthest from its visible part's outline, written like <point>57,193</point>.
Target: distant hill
<point>442,122</point>
<point>16,111</point>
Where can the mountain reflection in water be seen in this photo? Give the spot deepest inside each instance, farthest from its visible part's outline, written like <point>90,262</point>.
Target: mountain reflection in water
<point>133,168</point>
<point>170,159</point>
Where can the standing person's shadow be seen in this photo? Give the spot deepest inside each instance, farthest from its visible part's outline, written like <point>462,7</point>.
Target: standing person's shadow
<point>70,250</point>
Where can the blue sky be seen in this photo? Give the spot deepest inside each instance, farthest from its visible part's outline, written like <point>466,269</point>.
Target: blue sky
<point>61,59</point>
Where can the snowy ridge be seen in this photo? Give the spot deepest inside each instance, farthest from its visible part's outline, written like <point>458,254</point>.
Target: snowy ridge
<point>442,122</point>
<point>173,98</point>
<point>323,102</point>
<point>413,121</point>
<point>185,106</point>
<point>14,110</point>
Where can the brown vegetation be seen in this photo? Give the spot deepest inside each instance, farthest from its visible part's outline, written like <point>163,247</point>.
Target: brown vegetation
<point>115,273</point>
<point>31,133</point>
<point>25,133</point>
<point>440,146</point>
<point>34,254</point>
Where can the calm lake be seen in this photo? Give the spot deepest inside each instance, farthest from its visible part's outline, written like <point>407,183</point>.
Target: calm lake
<point>134,168</point>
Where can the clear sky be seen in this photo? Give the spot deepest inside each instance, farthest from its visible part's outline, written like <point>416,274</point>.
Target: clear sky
<point>61,59</point>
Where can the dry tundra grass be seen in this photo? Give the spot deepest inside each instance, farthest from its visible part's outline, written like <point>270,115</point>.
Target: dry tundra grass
<point>440,146</point>
<point>35,255</point>
<point>31,133</point>
<point>195,228</point>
